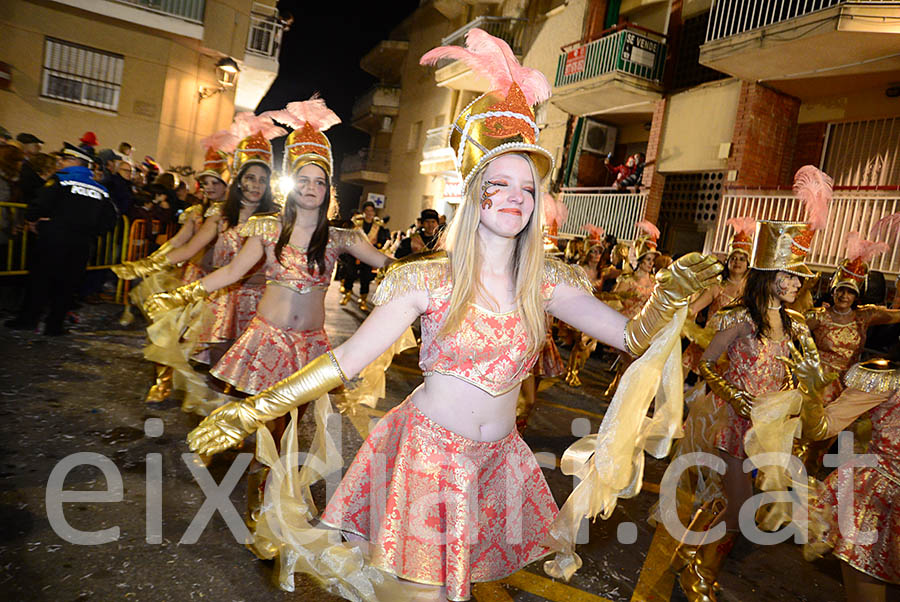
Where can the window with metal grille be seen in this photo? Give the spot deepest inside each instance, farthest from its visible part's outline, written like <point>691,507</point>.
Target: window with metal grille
<point>863,153</point>
<point>81,75</point>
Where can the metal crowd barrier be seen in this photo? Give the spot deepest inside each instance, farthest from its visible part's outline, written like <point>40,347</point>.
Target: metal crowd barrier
<point>128,241</point>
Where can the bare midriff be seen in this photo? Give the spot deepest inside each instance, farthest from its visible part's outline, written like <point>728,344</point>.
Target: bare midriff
<point>286,308</point>
<point>465,409</point>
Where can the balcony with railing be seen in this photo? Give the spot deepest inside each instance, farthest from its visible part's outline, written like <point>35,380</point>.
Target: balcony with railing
<point>187,10</point>
<point>618,72</point>
<point>616,213</point>
<point>376,109</point>
<point>366,166</point>
<point>455,75</point>
<point>264,37</point>
<point>385,60</point>
<point>849,211</point>
<point>437,156</point>
<point>786,41</point>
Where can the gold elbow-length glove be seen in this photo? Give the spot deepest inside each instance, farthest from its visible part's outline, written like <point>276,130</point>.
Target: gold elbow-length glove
<point>811,381</point>
<point>740,400</point>
<point>183,295</point>
<point>674,287</point>
<point>230,424</point>
<point>142,268</point>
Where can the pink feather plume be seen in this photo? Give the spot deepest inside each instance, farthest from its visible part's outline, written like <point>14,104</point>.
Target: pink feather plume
<point>648,228</point>
<point>594,232</point>
<point>742,225</point>
<point>313,111</point>
<point>246,123</point>
<point>887,225</point>
<point>814,187</point>
<point>492,58</point>
<point>555,212</point>
<point>223,140</point>
<point>860,248</point>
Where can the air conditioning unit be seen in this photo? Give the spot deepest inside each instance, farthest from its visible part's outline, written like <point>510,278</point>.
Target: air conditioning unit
<point>598,137</point>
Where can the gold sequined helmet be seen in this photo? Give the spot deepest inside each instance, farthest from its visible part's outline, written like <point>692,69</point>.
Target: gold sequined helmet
<point>647,241</point>
<point>853,270</point>
<point>742,239</point>
<point>306,143</point>
<point>254,133</point>
<point>501,121</point>
<point>216,164</point>
<point>784,245</point>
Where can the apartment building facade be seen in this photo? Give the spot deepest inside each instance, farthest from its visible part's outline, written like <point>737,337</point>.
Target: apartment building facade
<point>159,74</point>
<point>723,97</point>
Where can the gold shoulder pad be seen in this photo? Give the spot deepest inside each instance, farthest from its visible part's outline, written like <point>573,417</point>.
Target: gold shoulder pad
<point>214,209</point>
<point>798,323</point>
<point>729,316</point>
<point>344,237</point>
<point>262,223</point>
<point>421,271</point>
<point>557,272</point>
<point>815,313</point>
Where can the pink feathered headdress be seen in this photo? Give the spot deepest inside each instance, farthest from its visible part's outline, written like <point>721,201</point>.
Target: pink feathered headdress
<point>814,187</point>
<point>648,228</point>
<point>313,111</point>
<point>493,59</point>
<point>246,123</point>
<point>555,212</point>
<point>223,140</point>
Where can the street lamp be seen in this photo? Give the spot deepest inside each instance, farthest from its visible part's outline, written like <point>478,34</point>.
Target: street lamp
<point>227,71</point>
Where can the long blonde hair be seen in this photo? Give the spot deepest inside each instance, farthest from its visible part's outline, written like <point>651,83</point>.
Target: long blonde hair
<point>461,244</point>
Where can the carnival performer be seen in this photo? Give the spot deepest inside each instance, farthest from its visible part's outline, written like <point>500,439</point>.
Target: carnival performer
<point>482,302</point>
<point>158,276</point>
<point>372,227</point>
<point>589,261</point>
<point>717,297</point>
<point>753,335</point>
<point>839,329</point>
<point>632,289</point>
<point>862,530</point>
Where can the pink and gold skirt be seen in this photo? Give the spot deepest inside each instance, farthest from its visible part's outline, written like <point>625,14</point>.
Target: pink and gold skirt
<point>875,509</point>
<point>442,509</point>
<point>549,363</point>
<point>730,438</point>
<point>233,310</point>
<point>266,354</point>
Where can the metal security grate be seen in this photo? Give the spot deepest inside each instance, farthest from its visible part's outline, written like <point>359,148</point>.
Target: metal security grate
<point>624,51</point>
<point>863,153</point>
<point>81,75</point>
<point>615,213</point>
<point>692,197</point>
<point>732,17</point>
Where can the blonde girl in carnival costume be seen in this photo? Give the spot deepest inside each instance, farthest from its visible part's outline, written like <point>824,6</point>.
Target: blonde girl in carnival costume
<point>482,302</point>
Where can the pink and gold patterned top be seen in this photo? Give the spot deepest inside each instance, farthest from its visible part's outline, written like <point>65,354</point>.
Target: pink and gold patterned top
<point>293,270</point>
<point>840,344</point>
<point>753,364</point>
<point>633,293</point>
<point>489,350</point>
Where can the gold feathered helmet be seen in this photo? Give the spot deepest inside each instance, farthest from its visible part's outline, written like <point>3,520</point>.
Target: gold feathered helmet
<point>555,215</point>
<point>595,237</point>
<point>646,242</point>
<point>255,133</point>
<point>501,121</point>
<point>217,161</point>
<point>306,143</point>
<point>853,270</point>
<point>783,246</point>
<point>742,239</point>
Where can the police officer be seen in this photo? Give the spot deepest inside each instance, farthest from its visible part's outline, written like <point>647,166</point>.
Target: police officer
<point>70,211</point>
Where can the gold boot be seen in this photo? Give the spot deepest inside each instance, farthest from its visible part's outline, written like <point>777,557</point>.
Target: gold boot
<point>162,388</point>
<point>577,359</point>
<point>346,298</point>
<point>698,579</point>
<point>364,303</point>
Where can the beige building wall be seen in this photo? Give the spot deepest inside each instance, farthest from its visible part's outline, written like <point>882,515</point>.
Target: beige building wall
<point>158,112</point>
<point>697,121</point>
<point>862,104</point>
<point>422,102</point>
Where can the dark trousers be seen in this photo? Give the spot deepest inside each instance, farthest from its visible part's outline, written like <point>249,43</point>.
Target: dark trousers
<point>58,270</point>
<point>361,271</point>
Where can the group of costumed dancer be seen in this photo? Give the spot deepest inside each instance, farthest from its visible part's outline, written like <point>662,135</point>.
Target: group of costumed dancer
<point>444,492</point>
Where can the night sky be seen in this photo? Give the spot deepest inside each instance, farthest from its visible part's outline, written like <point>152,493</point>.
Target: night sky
<point>321,53</point>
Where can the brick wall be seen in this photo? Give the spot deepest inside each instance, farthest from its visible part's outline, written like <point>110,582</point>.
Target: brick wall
<point>765,132</point>
<point>810,142</point>
<point>653,180</point>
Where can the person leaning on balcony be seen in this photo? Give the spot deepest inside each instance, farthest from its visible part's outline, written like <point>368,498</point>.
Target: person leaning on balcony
<point>72,210</point>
